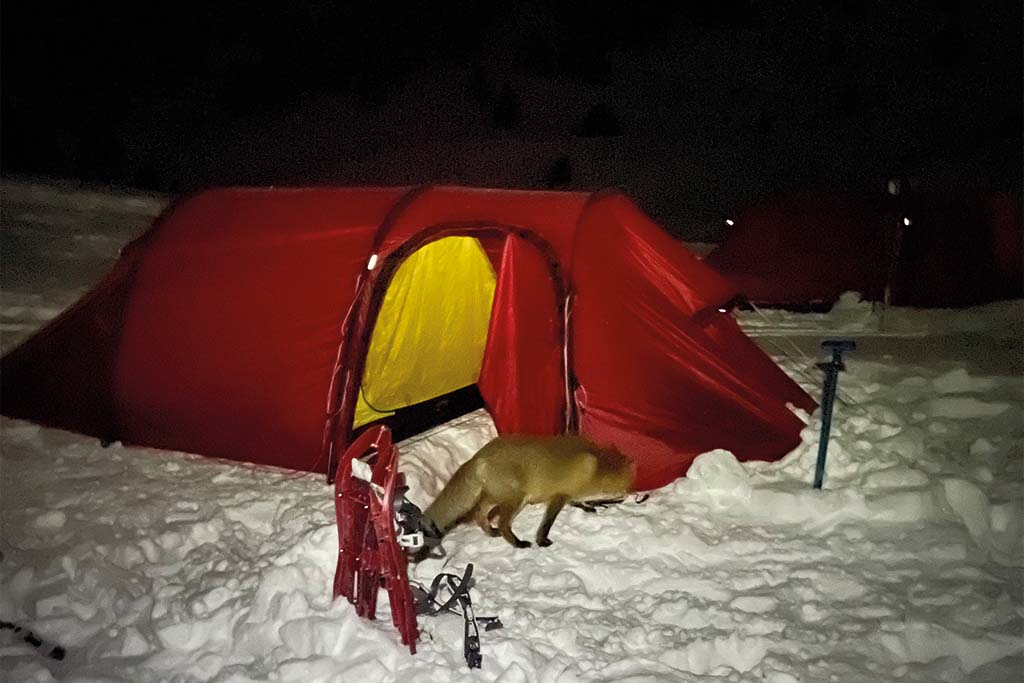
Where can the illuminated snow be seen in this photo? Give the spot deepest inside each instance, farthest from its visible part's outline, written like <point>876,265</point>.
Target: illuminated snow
<point>153,566</point>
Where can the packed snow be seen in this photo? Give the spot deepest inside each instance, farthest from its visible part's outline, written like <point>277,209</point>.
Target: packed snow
<point>145,565</point>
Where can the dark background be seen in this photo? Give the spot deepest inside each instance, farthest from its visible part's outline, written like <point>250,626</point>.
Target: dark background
<point>694,109</point>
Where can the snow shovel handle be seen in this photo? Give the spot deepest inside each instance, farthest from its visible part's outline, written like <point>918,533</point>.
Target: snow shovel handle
<point>832,369</point>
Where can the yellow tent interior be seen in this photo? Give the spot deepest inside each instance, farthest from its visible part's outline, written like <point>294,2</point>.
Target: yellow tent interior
<point>431,330</point>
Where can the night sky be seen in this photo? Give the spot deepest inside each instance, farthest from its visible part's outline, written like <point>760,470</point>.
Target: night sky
<point>692,109</point>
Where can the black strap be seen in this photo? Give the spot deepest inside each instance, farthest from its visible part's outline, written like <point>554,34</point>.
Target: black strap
<point>593,505</point>
<point>428,604</point>
<point>411,521</point>
<point>49,649</point>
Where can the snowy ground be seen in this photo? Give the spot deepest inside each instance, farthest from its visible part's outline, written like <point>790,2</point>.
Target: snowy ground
<point>151,566</point>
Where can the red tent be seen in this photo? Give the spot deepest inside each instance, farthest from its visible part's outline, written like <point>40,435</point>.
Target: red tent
<point>242,324</point>
<point>930,249</point>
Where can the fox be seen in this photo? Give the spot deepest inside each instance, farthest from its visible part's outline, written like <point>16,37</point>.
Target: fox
<point>511,472</point>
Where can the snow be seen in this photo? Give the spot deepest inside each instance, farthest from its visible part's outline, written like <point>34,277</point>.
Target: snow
<point>155,566</point>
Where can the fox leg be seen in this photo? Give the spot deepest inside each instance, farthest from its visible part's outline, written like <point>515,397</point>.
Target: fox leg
<point>482,516</point>
<point>555,506</point>
<point>506,513</point>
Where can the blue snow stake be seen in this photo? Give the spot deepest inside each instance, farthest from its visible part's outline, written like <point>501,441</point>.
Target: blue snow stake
<point>832,369</point>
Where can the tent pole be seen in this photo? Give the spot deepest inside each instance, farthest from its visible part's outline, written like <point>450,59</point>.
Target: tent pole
<point>895,189</point>
<point>570,426</point>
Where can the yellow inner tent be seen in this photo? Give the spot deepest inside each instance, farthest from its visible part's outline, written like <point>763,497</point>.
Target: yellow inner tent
<point>431,330</point>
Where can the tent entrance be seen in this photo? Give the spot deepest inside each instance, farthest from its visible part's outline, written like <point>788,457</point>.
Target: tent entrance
<point>429,337</point>
<point>473,317</point>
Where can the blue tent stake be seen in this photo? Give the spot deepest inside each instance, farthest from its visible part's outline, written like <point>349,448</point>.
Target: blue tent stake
<point>832,369</point>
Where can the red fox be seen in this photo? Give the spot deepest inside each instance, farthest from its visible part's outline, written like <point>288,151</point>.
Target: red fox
<point>510,472</point>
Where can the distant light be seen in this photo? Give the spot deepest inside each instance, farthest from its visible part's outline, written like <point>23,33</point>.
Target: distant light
<point>723,310</point>
<point>906,221</point>
<point>729,221</point>
<point>372,263</point>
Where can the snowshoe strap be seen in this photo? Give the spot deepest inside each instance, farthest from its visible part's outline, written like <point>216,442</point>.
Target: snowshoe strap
<point>593,505</point>
<point>415,532</point>
<point>51,650</point>
<point>427,604</point>
<point>426,601</point>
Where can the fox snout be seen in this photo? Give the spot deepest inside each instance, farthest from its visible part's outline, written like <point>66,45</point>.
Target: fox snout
<point>432,536</point>
<point>429,529</point>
